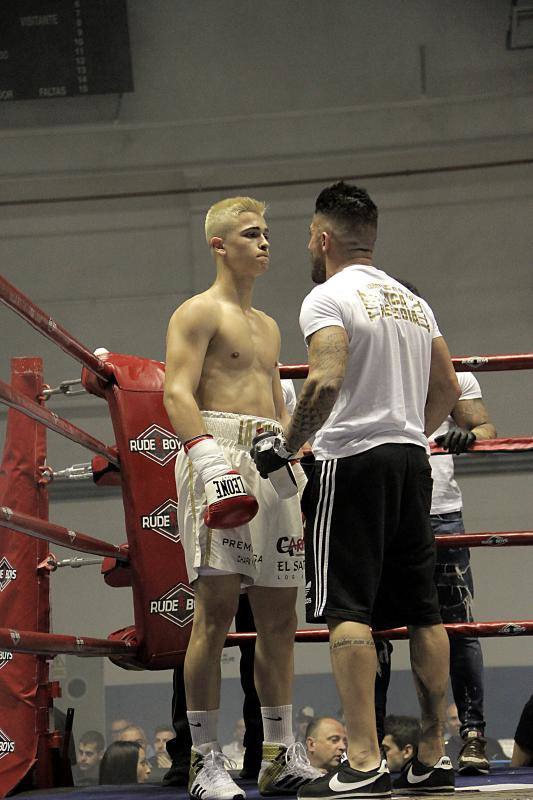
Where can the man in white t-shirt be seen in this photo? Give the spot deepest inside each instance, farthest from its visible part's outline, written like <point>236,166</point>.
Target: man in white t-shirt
<point>469,421</point>
<point>289,394</point>
<point>380,381</point>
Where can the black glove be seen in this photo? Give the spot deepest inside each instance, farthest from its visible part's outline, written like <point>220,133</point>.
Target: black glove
<point>456,441</point>
<point>269,452</point>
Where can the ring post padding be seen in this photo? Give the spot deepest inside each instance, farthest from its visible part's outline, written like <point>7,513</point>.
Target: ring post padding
<point>25,693</point>
<point>162,598</point>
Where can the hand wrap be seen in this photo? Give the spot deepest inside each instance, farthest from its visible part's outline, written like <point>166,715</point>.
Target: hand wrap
<point>269,452</point>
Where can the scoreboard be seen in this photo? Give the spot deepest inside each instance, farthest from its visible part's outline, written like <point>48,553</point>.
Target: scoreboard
<point>62,48</point>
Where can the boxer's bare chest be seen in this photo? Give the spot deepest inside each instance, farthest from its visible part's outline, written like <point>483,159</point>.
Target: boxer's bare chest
<point>243,341</point>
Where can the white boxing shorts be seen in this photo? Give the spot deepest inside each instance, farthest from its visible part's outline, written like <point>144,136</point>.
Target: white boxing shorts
<point>267,551</point>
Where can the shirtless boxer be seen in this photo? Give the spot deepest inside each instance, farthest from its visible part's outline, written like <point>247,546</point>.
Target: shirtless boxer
<point>222,387</point>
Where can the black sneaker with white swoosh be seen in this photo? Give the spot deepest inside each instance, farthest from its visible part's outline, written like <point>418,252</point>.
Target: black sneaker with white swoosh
<point>346,783</point>
<point>417,778</point>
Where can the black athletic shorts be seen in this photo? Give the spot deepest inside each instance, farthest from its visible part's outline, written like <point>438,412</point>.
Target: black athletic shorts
<point>369,547</point>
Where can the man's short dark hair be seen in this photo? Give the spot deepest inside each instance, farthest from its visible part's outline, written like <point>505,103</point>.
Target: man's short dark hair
<point>404,730</point>
<point>315,724</point>
<point>347,204</point>
<point>93,737</point>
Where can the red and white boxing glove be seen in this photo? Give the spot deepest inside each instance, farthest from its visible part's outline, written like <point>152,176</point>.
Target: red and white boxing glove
<point>229,504</point>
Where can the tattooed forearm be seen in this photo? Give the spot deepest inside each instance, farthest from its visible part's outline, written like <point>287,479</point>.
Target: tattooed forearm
<point>347,642</point>
<point>312,410</point>
<point>328,351</point>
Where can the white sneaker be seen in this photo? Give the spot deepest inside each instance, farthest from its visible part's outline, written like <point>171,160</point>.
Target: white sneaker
<point>209,778</point>
<point>284,769</point>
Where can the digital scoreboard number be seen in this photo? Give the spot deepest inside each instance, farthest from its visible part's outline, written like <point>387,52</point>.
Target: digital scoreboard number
<point>63,48</point>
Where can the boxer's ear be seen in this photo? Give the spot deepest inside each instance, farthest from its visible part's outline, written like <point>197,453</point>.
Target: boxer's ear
<point>217,244</point>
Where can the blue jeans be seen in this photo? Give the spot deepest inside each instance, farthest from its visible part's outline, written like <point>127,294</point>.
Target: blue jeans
<point>455,585</point>
<point>453,576</point>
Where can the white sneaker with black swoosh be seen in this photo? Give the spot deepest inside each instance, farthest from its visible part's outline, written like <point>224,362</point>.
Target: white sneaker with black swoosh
<point>209,778</point>
<point>346,783</point>
<point>418,778</point>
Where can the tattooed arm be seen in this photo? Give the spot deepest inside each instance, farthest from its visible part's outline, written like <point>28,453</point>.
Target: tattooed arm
<point>328,353</point>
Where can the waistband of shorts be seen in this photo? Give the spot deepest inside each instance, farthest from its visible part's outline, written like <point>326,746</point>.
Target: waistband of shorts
<point>239,429</point>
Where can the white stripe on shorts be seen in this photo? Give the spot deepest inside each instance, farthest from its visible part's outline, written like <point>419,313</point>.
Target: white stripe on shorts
<point>321,533</point>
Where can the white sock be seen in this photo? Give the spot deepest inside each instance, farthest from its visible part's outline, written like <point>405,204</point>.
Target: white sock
<point>277,724</point>
<point>203,726</point>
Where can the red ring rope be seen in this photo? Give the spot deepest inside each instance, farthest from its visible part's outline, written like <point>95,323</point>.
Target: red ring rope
<point>496,539</point>
<point>508,445</point>
<point>54,644</point>
<point>32,409</point>
<point>42,529</point>
<point>494,363</point>
<point>476,629</point>
<point>36,317</point>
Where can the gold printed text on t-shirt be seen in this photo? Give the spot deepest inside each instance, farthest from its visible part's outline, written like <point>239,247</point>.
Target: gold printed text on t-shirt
<point>383,300</point>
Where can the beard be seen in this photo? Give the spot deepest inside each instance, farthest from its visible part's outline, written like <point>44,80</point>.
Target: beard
<point>318,269</point>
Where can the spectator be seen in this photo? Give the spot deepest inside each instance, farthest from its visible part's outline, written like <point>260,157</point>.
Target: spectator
<point>161,759</point>
<point>90,751</point>
<point>325,742</point>
<point>400,741</point>
<point>134,733</point>
<point>235,749</point>
<point>523,738</point>
<point>454,743</point>
<point>119,725</point>
<point>453,723</point>
<point>124,762</point>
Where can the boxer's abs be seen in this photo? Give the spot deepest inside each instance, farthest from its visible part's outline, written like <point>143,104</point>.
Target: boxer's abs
<point>250,395</point>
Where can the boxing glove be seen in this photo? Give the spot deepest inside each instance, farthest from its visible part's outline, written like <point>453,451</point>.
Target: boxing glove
<point>456,440</point>
<point>229,504</point>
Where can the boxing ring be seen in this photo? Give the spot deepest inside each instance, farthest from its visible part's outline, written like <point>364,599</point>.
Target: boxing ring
<point>141,462</point>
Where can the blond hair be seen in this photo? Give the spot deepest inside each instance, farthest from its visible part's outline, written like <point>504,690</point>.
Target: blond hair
<point>223,215</point>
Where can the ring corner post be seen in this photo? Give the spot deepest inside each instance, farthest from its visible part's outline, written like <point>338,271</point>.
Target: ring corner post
<point>26,755</point>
